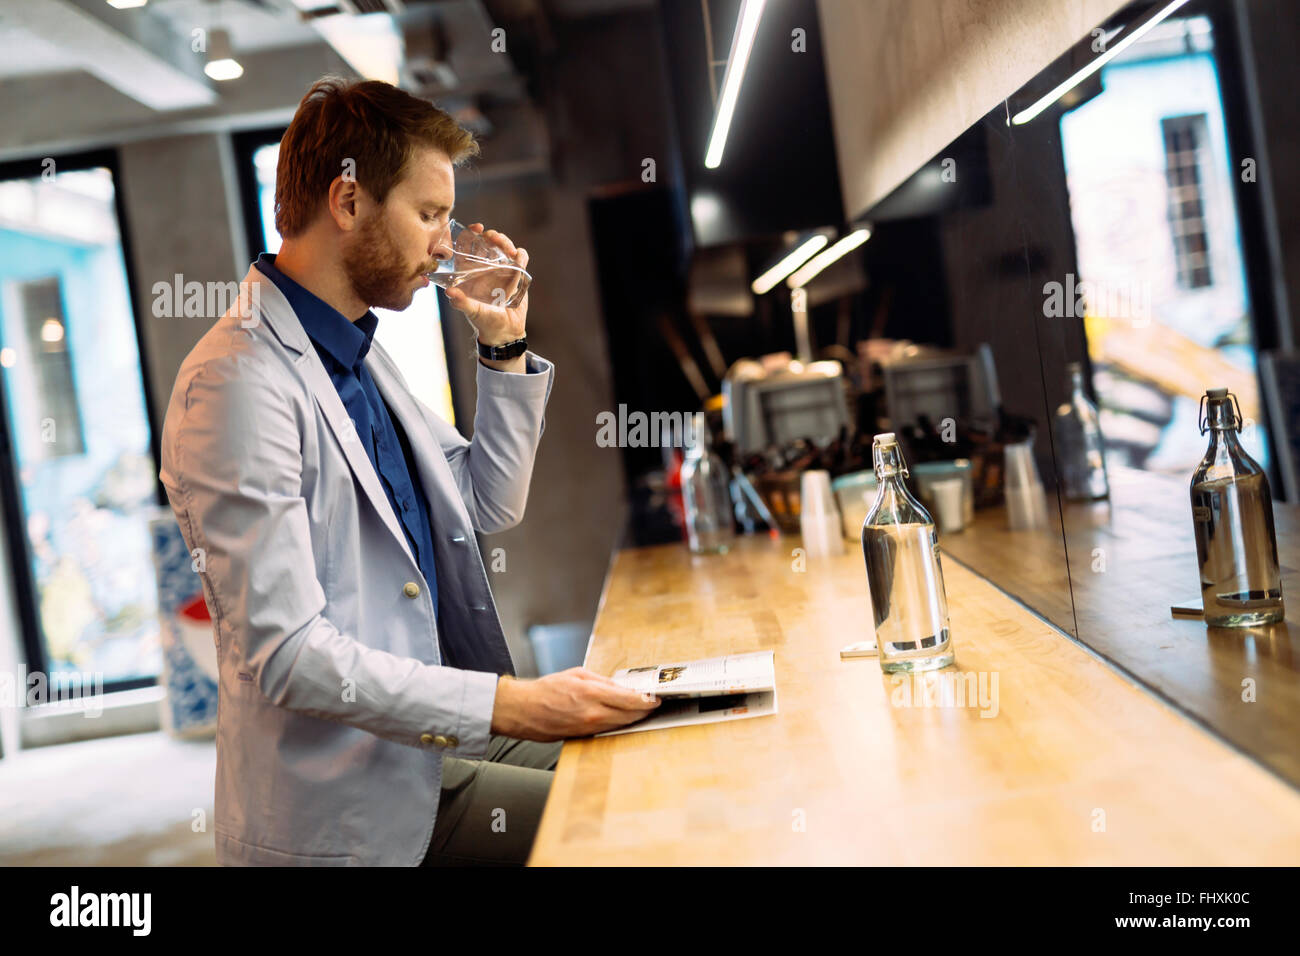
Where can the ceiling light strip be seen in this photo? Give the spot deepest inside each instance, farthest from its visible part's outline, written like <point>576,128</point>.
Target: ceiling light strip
<point>751,12</point>
<point>1024,116</point>
<point>823,259</point>
<point>768,280</point>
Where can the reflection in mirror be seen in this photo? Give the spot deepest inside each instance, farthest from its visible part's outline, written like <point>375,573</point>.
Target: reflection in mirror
<point>1113,267</point>
<point>1170,288</point>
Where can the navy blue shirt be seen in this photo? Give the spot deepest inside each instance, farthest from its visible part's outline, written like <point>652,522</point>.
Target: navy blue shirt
<point>342,346</point>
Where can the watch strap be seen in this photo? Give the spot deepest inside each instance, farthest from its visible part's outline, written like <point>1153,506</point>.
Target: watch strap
<point>508,350</point>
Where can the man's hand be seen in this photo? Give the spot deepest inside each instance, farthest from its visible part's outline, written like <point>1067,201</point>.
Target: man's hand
<point>572,703</point>
<point>495,324</point>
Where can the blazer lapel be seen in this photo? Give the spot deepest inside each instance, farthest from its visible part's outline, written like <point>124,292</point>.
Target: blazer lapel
<point>280,317</point>
<point>340,422</point>
<point>427,457</point>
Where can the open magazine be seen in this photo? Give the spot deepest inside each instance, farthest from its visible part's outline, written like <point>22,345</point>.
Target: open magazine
<point>704,691</point>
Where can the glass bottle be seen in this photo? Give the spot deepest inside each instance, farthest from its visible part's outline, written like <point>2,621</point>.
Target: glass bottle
<point>901,549</point>
<point>1232,513</point>
<point>1079,442</point>
<point>706,493</point>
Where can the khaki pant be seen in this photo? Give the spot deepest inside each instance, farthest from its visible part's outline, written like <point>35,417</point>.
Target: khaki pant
<point>489,809</point>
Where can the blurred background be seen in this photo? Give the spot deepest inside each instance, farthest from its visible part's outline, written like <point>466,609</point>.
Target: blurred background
<point>925,213</point>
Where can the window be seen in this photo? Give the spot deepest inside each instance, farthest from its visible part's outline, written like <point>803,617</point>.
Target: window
<point>79,476</point>
<point>1151,179</point>
<point>45,383</point>
<point>1185,138</point>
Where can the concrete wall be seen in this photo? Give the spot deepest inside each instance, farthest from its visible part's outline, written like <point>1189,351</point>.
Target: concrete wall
<point>187,228</point>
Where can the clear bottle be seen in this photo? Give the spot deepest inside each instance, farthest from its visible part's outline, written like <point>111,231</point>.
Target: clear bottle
<point>1079,442</point>
<point>706,493</point>
<point>1232,513</point>
<point>901,550</point>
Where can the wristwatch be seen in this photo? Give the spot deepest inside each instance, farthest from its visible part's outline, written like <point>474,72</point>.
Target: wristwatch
<point>509,350</point>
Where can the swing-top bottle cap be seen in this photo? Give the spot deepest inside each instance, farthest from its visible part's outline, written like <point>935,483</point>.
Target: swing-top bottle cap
<point>1217,411</point>
<point>887,457</point>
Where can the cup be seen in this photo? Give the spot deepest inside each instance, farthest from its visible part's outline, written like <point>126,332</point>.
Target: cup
<point>855,493</point>
<point>819,519</point>
<point>949,504</point>
<point>481,270</point>
<point>1026,500</point>
<point>926,474</point>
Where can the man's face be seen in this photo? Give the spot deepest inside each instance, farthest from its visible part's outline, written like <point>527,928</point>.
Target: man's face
<point>401,240</point>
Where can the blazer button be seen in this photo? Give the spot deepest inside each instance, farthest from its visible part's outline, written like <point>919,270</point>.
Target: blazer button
<point>440,741</point>
<point>411,589</point>
<point>426,738</point>
<point>453,741</point>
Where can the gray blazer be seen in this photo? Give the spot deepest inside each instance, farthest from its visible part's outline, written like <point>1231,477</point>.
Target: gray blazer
<point>339,693</point>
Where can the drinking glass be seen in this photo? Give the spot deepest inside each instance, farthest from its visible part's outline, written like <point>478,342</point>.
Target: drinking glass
<point>481,270</point>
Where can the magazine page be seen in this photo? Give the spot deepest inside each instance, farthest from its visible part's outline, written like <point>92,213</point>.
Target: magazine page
<point>734,674</point>
<point>681,711</point>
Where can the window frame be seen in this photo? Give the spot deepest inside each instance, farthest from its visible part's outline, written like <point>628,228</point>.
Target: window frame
<point>16,543</point>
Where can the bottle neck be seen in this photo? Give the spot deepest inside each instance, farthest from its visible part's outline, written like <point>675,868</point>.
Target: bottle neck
<point>894,503</point>
<point>1221,422</point>
<point>889,463</point>
<point>1220,416</point>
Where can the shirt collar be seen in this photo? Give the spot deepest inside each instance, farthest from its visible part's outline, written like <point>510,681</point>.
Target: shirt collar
<point>347,342</point>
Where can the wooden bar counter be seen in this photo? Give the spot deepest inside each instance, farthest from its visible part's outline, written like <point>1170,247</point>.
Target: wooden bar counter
<point>1129,559</point>
<point>1061,759</point>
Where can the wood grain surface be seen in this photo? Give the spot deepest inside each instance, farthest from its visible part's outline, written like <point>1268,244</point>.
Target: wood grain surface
<point>1130,559</point>
<point>1061,760</point>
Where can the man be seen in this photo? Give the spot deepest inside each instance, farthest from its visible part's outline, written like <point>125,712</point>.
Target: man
<point>368,713</point>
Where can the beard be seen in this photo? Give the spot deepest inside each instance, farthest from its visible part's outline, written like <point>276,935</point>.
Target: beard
<point>373,265</point>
